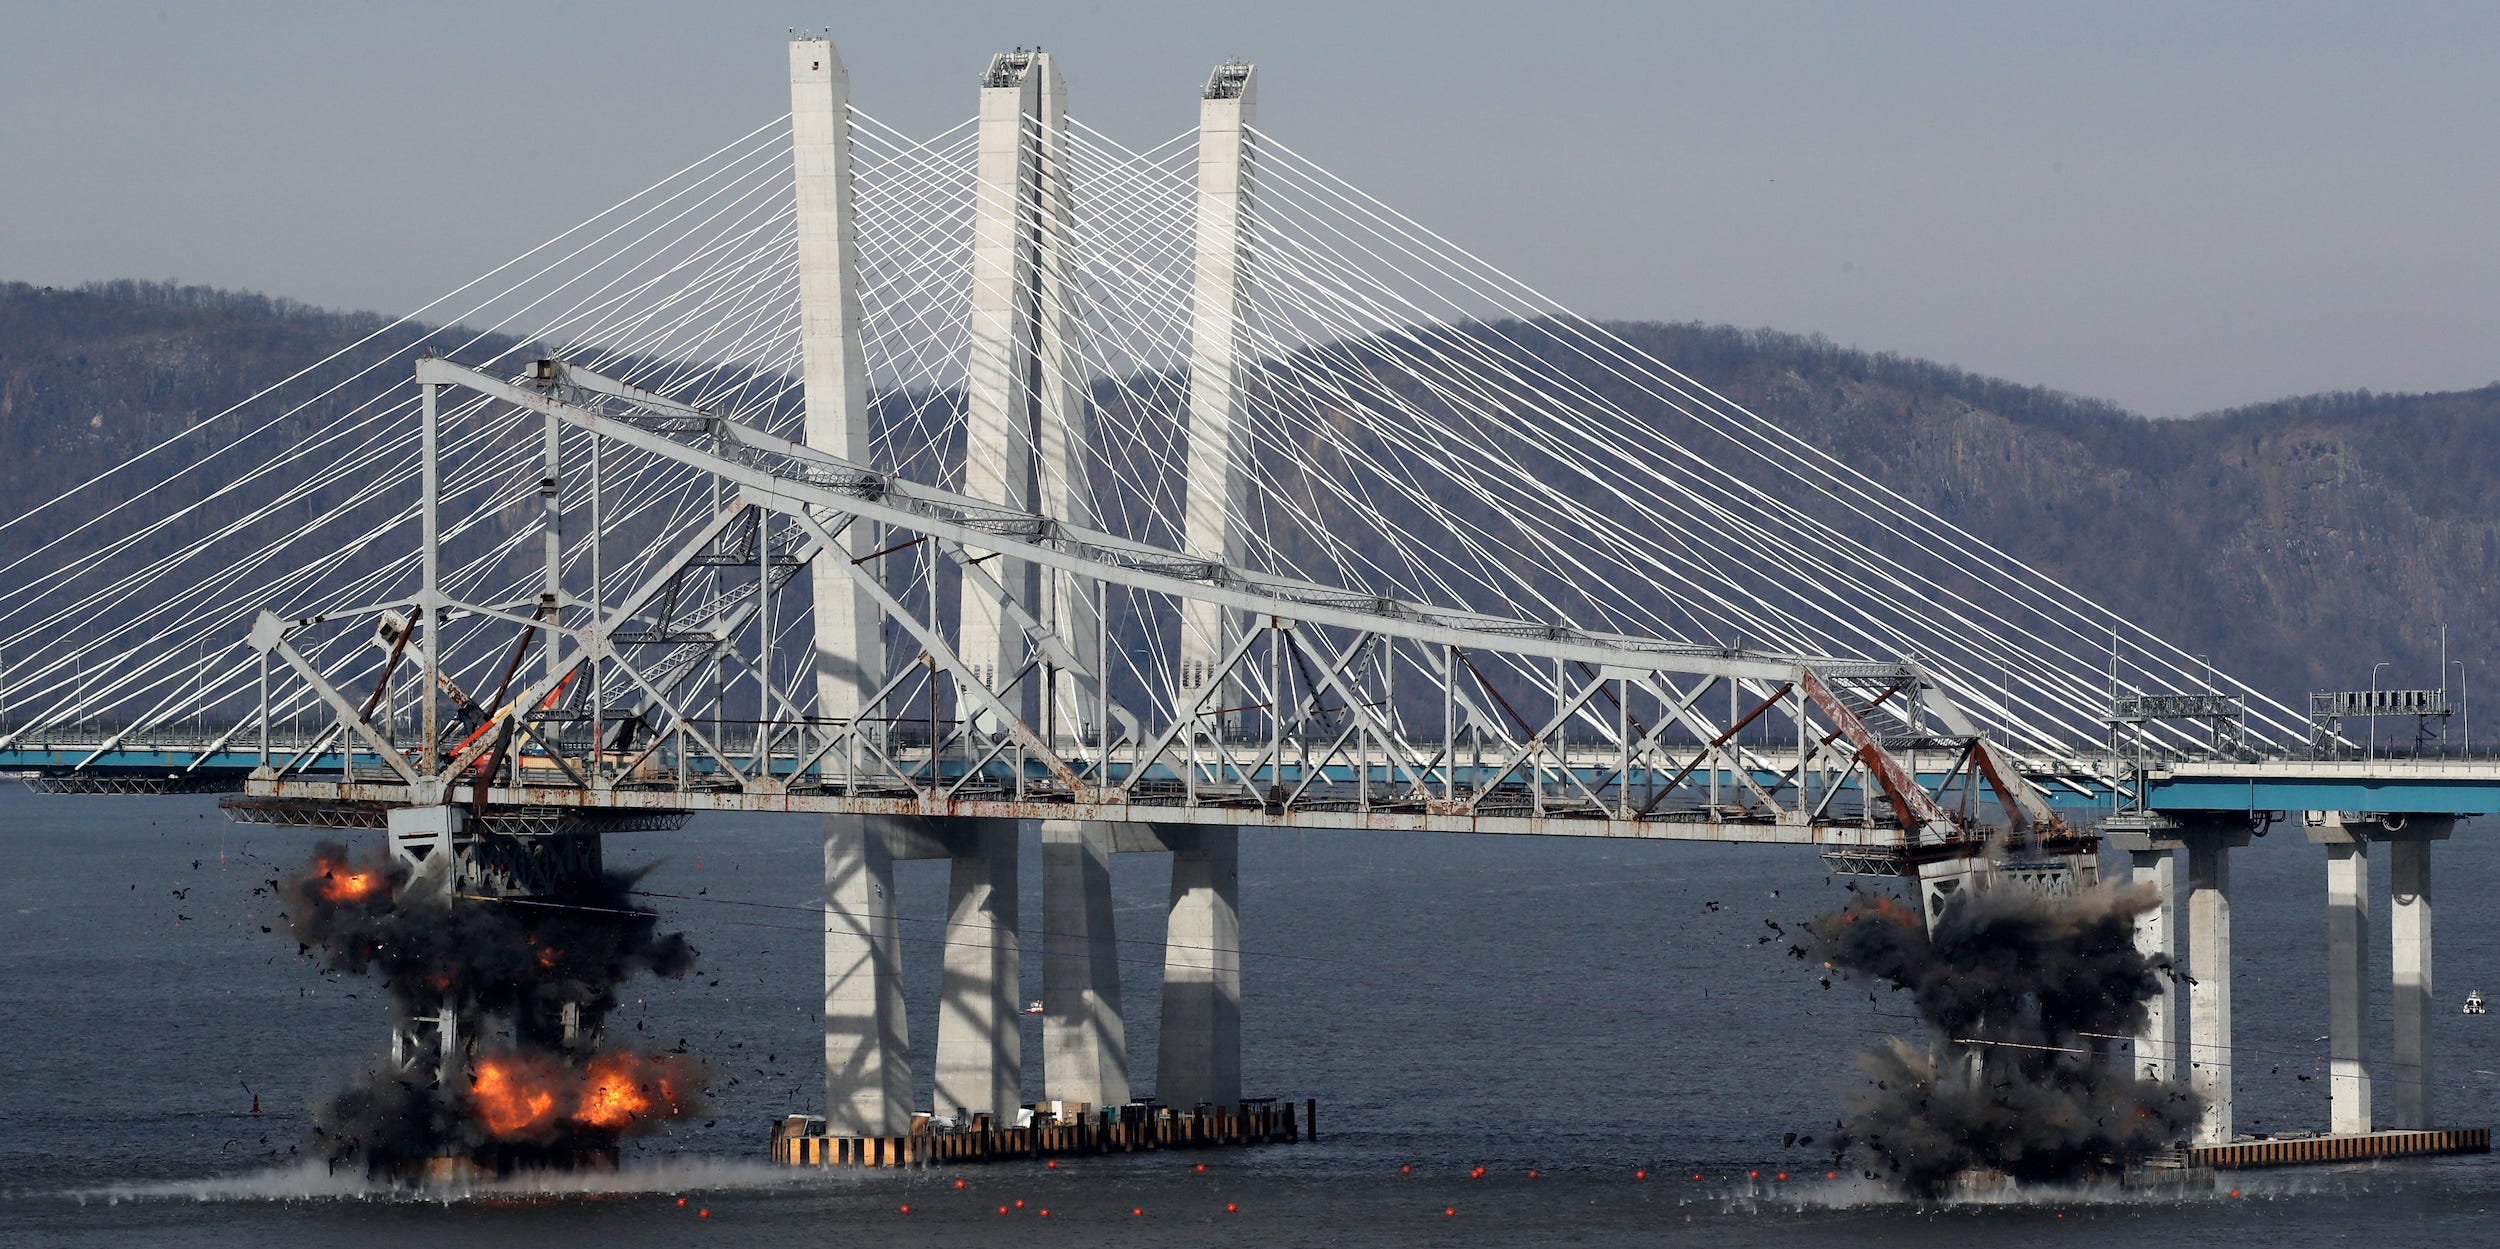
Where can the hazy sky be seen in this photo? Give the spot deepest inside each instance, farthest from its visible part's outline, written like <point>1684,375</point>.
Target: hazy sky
<point>2178,207</point>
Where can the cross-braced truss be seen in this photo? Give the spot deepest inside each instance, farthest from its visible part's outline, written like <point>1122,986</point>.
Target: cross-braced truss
<point>679,690</point>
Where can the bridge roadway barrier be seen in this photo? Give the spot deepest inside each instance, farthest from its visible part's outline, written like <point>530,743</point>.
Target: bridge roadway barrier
<point>801,1140</point>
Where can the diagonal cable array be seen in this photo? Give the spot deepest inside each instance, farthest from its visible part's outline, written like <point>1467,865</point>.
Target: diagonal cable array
<point>1421,426</point>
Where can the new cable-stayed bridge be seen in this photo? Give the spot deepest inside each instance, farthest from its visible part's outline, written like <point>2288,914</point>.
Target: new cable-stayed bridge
<point>932,486</point>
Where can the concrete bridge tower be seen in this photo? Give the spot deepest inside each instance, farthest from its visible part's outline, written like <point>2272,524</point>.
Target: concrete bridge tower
<point>868,1083</point>
<point>1026,447</point>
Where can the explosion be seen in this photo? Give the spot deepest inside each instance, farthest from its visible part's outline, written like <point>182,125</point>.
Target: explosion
<point>538,979</point>
<point>513,1096</point>
<point>336,881</point>
<point>620,1089</point>
<point>2022,996</point>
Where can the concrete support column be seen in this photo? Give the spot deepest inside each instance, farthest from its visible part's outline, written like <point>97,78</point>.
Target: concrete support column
<point>1062,463</point>
<point>2409,916</point>
<point>867,1042</point>
<point>1200,1059</point>
<point>980,1049</point>
<point>2347,974</point>
<point>999,385</point>
<point>850,644</point>
<point>2156,1045</point>
<point>1084,1034</point>
<point>1217,486</point>
<point>868,1080</point>
<point>2209,981</point>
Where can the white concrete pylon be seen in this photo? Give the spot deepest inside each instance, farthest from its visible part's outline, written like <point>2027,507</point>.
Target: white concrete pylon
<point>1217,489</point>
<point>980,1049</point>
<point>2409,1075</point>
<point>867,1041</point>
<point>2347,970</point>
<point>867,1050</point>
<point>2210,1060</point>
<point>1084,1032</point>
<point>1000,395</point>
<point>1200,1056</point>
<point>1061,471</point>
<point>850,655</point>
<point>2155,938</point>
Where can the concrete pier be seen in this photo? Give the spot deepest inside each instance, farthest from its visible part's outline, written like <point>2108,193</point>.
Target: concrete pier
<point>1200,1058</point>
<point>2348,971</point>
<point>1084,1032</point>
<point>868,1081</point>
<point>2209,1056</point>
<point>2409,917</point>
<point>980,1044</point>
<point>2155,938</point>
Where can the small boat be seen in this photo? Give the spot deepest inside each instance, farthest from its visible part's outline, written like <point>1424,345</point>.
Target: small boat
<point>1034,1007</point>
<point>2474,1003</point>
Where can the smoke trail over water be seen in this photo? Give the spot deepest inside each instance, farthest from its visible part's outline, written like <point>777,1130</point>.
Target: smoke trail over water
<point>2020,995</point>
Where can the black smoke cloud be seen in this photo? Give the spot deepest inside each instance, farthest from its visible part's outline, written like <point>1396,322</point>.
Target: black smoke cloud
<point>2022,997</point>
<point>510,968</point>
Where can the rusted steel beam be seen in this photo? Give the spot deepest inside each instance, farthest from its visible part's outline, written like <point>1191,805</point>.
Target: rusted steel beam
<point>1910,802</point>
<point>1722,739</point>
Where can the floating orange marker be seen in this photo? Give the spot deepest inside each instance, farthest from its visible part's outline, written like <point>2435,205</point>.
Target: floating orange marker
<point>1753,1175</point>
<point>906,1210</point>
<point>1532,1175</point>
<point>1136,1212</point>
<point>1045,1212</point>
<point>960,1184</point>
<point>1640,1175</point>
<point>702,1214</point>
<point>1449,1212</point>
<point>1783,1175</point>
<point>1202,1166</point>
<point>1230,1208</point>
<point>1019,1203</point>
<point>1476,1174</point>
<point>1002,1209</point>
<point>2235,1192</point>
<point>1053,1164</point>
<point>681,1203</point>
<point>1406,1170</point>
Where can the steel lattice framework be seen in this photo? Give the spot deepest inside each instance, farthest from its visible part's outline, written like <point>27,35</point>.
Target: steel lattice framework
<point>623,716</point>
<point>1181,484</point>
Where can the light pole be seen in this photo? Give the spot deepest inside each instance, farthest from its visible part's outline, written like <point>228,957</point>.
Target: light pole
<point>2466,705</point>
<point>2374,708</point>
<point>2443,691</point>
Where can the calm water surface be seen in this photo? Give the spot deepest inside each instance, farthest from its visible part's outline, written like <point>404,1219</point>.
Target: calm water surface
<point>1577,1009</point>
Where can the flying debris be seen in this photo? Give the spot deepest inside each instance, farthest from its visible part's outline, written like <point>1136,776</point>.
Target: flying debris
<point>2018,1079</point>
<point>547,1090</point>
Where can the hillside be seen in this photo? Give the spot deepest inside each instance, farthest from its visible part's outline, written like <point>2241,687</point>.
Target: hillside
<point>2295,542</point>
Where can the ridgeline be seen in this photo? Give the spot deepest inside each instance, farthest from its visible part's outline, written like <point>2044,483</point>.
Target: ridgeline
<point>2295,542</point>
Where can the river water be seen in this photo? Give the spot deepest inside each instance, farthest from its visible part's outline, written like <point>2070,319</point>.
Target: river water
<point>1564,1015</point>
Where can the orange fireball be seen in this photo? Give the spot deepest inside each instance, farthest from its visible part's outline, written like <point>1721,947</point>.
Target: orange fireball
<point>623,1091</point>
<point>337,882</point>
<point>512,1099</point>
<point>613,1094</point>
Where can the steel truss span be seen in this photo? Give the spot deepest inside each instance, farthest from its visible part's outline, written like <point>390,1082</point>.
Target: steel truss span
<point>671,693</point>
